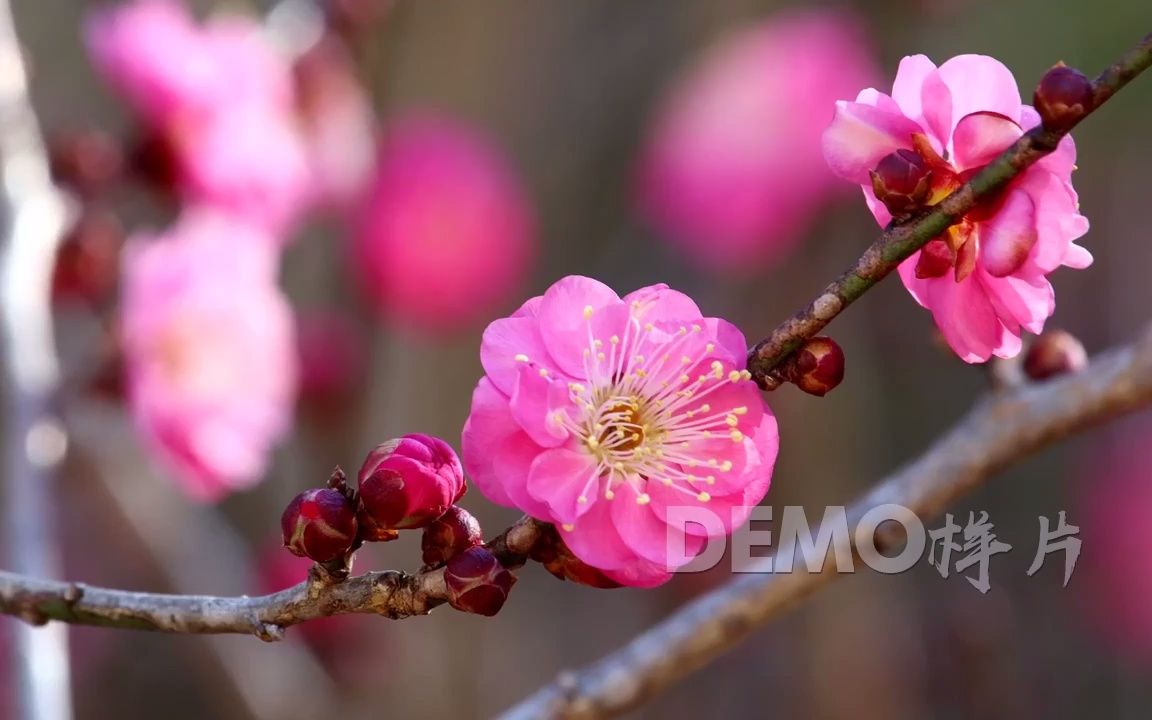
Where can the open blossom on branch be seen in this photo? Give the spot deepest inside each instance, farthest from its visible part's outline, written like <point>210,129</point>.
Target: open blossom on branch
<point>733,171</point>
<point>215,100</point>
<point>448,232</point>
<point>985,279</point>
<point>209,353</point>
<point>608,415</point>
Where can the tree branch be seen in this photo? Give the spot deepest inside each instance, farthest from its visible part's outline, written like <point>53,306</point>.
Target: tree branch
<point>390,593</point>
<point>1000,430</point>
<point>900,241</point>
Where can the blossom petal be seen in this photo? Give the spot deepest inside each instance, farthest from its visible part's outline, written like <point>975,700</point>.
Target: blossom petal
<point>1007,238</point>
<point>563,324</point>
<point>729,337</point>
<point>645,533</point>
<point>1058,220</point>
<point>980,83</point>
<point>860,135</point>
<point>640,574</point>
<point>511,463</point>
<point>1021,301</point>
<point>506,340</point>
<point>559,478</point>
<point>658,302</point>
<point>489,424</point>
<point>594,539</point>
<point>534,402</point>
<point>908,87</point>
<point>1077,257</point>
<point>980,137</point>
<point>965,317</point>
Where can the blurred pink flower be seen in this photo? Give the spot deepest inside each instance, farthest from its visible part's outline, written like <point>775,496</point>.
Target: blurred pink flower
<point>985,279</point>
<point>219,99</point>
<point>448,232</point>
<point>604,415</point>
<point>333,358</point>
<point>338,124</point>
<point>209,351</point>
<point>1114,578</point>
<point>733,171</point>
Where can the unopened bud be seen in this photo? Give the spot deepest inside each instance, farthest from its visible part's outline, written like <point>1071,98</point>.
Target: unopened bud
<point>88,260</point>
<point>1063,97</point>
<point>1054,353</point>
<point>455,531</point>
<point>319,524</point>
<point>410,482</point>
<point>817,367</point>
<point>551,552</point>
<point>477,582</point>
<point>901,181</point>
<point>85,162</point>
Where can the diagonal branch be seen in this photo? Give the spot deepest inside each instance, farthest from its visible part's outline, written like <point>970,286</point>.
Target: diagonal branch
<point>899,242</point>
<point>1000,430</point>
<point>390,593</point>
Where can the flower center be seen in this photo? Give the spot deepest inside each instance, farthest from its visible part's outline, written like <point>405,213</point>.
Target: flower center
<point>623,428</point>
<point>645,414</point>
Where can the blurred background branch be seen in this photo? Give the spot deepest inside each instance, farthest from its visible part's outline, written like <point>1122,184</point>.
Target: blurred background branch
<point>1002,429</point>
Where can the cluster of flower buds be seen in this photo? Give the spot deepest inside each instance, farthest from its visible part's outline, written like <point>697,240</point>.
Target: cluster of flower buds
<point>411,482</point>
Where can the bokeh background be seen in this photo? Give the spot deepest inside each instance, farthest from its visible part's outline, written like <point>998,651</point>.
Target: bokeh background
<point>571,92</point>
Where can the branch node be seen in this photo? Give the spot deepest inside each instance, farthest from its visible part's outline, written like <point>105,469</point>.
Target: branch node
<point>268,632</point>
<point>73,594</point>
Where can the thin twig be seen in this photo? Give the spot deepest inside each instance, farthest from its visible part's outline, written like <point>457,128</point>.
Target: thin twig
<point>33,215</point>
<point>899,242</point>
<point>390,593</point>
<point>195,548</point>
<point>1000,430</point>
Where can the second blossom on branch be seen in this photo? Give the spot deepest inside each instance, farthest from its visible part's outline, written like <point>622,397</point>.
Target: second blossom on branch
<point>984,279</point>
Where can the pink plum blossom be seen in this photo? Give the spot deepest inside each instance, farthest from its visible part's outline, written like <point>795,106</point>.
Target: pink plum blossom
<point>985,279</point>
<point>733,172</point>
<point>609,416</point>
<point>209,352</point>
<point>447,233</point>
<point>217,98</point>
<point>337,122</point>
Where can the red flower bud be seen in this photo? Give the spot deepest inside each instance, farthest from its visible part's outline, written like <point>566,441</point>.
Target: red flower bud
<point>817,367</point>
<point>452,534</point>
<point>1054,353</point>
<point>410,482</point>
<point>319,524</point>
<point>551,552</point>
<point>1063,97</point>
<point>88,260</point>
<point>477,582</point>
<point>85,162</point>
<point>901,181</point>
